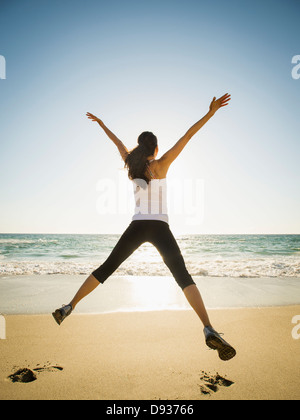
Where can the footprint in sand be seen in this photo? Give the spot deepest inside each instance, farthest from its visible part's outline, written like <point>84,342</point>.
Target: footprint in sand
<point>26,375</point>
<point>210,383</point>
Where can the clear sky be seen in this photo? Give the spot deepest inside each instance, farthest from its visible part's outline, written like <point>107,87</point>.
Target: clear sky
<point>149,65</point>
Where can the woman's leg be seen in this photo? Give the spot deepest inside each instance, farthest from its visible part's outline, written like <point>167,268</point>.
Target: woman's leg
<point>195,300</point>
<point>88,286</point>
<point>166,244</point>
<point>131,239</point>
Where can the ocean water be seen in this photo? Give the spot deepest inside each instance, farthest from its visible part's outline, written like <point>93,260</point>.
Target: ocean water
<point>39,272</point>
<point>205,255</point>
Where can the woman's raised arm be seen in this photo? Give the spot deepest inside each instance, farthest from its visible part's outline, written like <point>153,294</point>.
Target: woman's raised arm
<point>166,160</point>
<point>122,149</point>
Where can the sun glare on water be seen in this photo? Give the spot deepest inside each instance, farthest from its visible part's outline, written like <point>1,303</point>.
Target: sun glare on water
<point>156,293</point>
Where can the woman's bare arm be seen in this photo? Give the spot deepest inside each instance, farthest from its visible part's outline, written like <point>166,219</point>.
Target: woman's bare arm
<point>122,149</point>
<point>166,160</point>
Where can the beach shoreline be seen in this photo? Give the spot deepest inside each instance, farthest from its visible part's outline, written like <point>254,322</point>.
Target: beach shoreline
<point>151,355</point>
<point>41,294</point>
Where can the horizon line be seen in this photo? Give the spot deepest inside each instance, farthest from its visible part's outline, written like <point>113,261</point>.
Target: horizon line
<point>119,233</point>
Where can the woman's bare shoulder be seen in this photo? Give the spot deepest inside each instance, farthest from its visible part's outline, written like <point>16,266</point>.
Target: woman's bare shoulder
<point>158,168</point>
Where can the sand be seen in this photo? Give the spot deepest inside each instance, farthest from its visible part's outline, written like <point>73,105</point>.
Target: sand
<point>151,356</point>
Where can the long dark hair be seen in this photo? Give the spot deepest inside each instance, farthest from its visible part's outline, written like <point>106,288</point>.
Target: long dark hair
<point>136,161</point>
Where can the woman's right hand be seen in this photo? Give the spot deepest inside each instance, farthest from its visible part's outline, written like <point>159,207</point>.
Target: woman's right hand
<point>218,103</point>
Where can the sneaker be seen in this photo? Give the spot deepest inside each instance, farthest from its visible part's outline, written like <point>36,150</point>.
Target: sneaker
<point>60,314</point>
<point>216,342</point>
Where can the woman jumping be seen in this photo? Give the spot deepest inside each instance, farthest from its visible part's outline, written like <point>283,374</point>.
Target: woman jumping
<point>150,223</point>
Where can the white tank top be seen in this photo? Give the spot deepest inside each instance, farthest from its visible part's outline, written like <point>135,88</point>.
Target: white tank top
<point>150,199</point>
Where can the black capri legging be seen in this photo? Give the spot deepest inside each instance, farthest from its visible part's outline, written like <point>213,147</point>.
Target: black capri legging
<point>157,233</point>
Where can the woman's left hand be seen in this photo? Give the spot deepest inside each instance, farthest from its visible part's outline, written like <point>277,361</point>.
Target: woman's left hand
<point>93,117</point>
